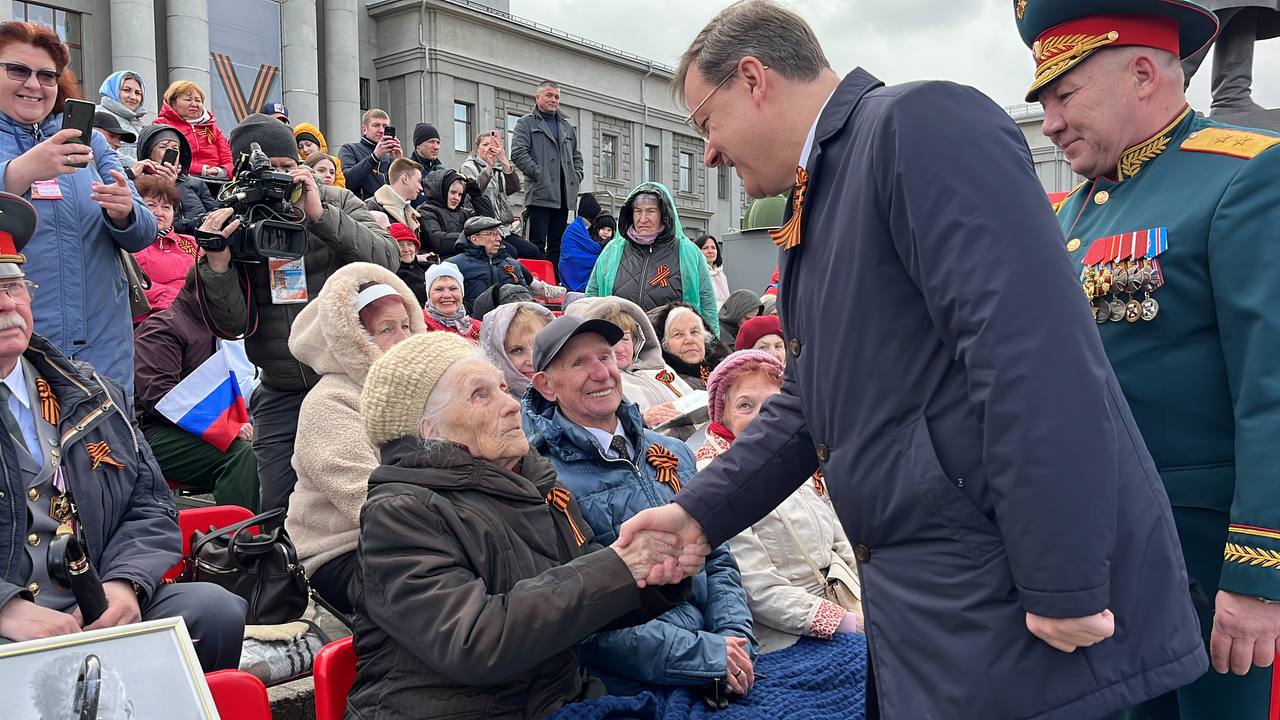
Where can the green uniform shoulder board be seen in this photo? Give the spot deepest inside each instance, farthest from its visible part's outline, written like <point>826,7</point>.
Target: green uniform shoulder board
<point>1242,144</point>
<point>1057,206</point>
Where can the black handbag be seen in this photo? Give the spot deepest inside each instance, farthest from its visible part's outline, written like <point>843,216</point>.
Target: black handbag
<point>263,569</point>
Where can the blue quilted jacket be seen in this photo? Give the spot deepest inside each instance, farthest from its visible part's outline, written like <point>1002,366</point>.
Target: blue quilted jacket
<point>686,645</point>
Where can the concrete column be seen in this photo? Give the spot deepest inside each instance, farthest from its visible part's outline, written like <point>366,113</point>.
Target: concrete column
<point>133,31</point>
<point>188,32</point>
<point>342,71</point>
<point>300,76</point>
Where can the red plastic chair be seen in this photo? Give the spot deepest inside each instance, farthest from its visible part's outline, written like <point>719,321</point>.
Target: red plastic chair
<point>1275,692</point>
<point>541,269</point>
<point>334,671</point>
<point>239,695</point>
<point>218,516</point>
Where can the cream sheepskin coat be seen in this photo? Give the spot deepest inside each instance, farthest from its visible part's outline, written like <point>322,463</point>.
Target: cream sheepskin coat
<point>332,454</point>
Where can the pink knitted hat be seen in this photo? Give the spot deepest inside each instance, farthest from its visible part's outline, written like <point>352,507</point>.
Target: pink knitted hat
<point>728,370</point>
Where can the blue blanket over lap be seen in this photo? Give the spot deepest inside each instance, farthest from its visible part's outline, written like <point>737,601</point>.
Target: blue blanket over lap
<point>811,679</point>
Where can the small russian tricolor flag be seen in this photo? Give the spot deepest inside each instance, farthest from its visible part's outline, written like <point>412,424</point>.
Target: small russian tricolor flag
<point>208,402</point>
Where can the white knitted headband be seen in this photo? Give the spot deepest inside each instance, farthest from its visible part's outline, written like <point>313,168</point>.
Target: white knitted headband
<point>372,293</point>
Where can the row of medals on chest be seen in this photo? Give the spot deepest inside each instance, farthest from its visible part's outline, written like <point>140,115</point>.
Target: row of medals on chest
<point>1123,290</point>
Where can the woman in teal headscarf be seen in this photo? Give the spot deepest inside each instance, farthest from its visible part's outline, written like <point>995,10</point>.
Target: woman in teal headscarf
<point>121,94</point>
<point>651,262</point>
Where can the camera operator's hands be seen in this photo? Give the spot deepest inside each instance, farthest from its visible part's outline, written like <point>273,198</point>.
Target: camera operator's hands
<point>310,200</point>
<point>122,606</point>
<point>215,223</point>
<point>116,198</point>
<point>388,145</point>
<point>24,620</point>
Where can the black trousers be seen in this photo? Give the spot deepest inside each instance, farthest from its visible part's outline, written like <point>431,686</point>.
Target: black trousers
<point>332,581</point>
<point>275,425</point>
<point>546,225</point>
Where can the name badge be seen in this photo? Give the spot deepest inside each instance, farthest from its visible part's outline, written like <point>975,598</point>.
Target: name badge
<point>288,281</point>
<point>46,190</point>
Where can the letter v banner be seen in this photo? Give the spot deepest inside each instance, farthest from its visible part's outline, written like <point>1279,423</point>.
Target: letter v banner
<point>244,58</point>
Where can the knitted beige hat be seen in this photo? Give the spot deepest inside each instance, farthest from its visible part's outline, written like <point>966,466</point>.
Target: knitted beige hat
<point>396,388</point>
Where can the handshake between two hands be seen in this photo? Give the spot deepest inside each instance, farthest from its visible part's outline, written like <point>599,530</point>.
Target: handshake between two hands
<point>662,545</point>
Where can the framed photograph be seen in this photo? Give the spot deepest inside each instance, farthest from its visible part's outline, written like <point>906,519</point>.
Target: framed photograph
<point>145,670</point>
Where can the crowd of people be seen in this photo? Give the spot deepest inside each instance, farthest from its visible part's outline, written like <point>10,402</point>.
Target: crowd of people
<point>489,472</point>
<point>406,345</point>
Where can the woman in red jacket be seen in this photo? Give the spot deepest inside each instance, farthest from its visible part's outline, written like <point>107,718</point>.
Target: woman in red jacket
<point>167,260</point>
<point>184,109</point>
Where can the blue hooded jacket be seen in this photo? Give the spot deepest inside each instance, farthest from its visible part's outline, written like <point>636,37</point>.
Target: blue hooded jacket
<point>578,253</point>
<point>685,646</point>
<point>82,304</point>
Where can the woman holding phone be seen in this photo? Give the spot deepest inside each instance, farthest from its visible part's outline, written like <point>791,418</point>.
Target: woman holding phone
<point>86,207</point>
<point>164,152</point>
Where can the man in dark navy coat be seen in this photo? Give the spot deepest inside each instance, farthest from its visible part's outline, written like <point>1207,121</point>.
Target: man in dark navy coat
<point>1018,554</point>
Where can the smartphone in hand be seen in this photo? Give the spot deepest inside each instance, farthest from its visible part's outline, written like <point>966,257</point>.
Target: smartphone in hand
<point>170,157</point>
<point>78,115</point>
<point>389,132</point>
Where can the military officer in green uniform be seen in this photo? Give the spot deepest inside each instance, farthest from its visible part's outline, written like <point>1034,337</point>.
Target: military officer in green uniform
<point>1174,234</point>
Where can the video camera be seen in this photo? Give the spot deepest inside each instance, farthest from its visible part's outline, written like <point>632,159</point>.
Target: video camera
<point>263,200</point>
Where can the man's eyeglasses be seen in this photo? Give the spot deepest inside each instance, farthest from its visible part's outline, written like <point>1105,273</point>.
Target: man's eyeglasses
<point>701,129</point>
<point>19,73</point>
<point>19,290</point>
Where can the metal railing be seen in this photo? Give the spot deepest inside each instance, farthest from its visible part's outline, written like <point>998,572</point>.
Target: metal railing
<point>533,25</point>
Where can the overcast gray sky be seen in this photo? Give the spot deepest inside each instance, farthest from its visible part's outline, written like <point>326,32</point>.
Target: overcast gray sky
<point>969,41</point>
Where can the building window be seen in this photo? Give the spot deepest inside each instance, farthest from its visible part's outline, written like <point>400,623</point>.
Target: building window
<point>67,25</point>
<point>609,156</point>
<point>461,127</point>
<point>512,119</point>
<point>650,163</point>
<point>365,95</point>
<point>686,172</point>
<point>722,182</point>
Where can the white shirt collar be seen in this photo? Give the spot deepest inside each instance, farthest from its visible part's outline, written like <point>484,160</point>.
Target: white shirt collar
<point>813,130</point>
<point>17,382</point>
<point>606,438</point>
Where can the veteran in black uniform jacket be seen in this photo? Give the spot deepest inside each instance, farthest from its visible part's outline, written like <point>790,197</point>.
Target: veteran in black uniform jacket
<point>1018,554</point>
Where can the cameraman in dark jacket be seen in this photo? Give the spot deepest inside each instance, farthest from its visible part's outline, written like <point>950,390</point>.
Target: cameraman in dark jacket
<point>340,230</point>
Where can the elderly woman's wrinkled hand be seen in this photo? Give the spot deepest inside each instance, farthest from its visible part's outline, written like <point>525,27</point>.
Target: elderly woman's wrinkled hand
<point>668,519</point>
<point>658,414</point>
<point>647,549</point>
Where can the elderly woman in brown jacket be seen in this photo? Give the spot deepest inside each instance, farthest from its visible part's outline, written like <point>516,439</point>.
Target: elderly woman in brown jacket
<point>476,575</point>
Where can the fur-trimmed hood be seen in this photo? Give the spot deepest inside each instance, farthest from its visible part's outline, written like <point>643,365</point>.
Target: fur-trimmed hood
<point>327,334</point>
